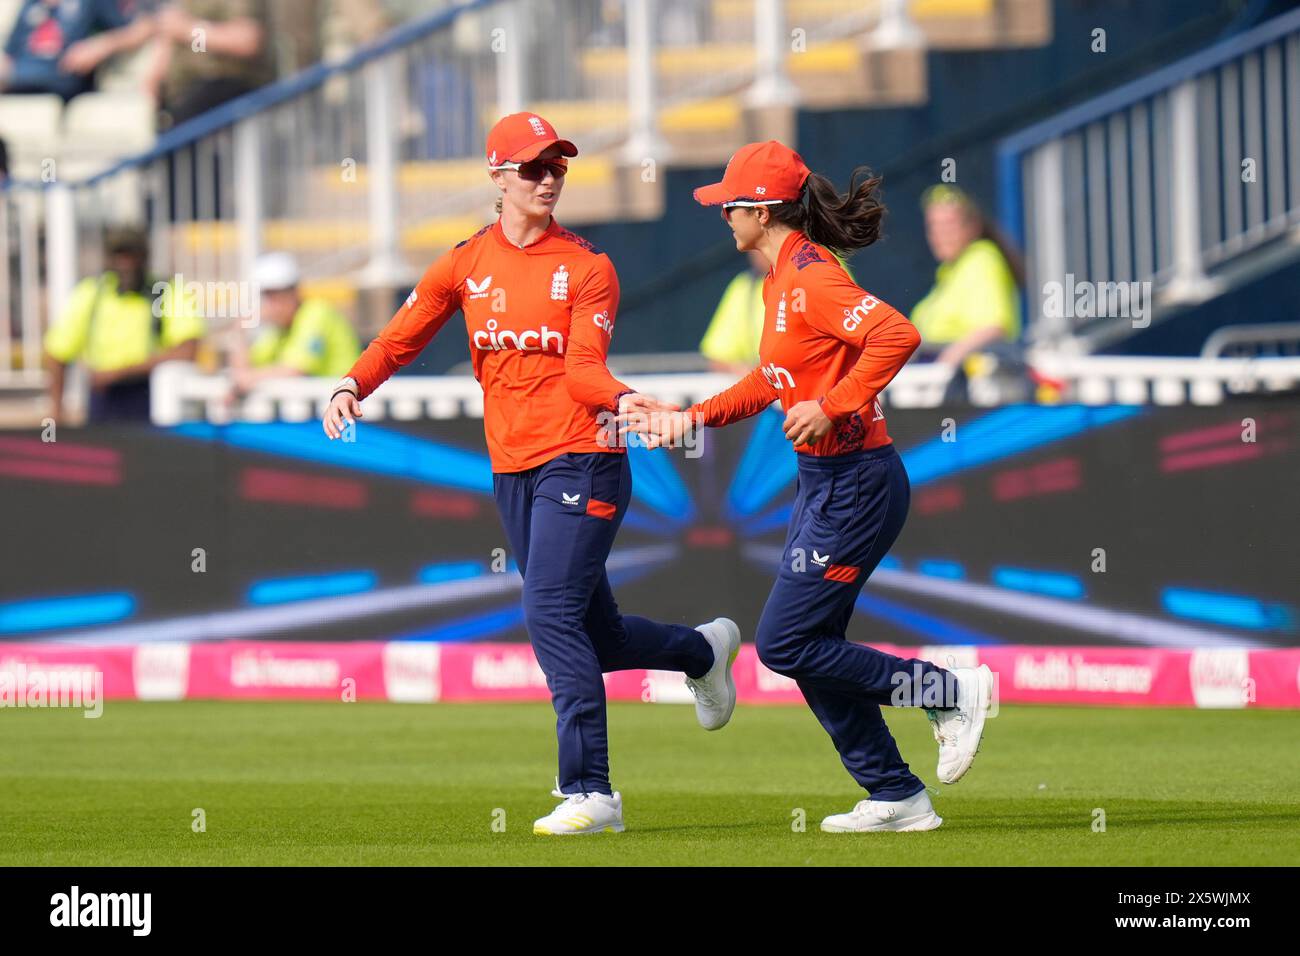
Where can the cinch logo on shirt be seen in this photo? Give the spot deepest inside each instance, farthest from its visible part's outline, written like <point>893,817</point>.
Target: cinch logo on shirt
<point>777,376</point>
<point>853,318</point>
<point>529,340</point>
<point>601,320</point>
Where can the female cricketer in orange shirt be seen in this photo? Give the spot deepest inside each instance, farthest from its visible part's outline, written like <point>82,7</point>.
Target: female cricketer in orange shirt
<point>539,305</point>
<point>827,350</point>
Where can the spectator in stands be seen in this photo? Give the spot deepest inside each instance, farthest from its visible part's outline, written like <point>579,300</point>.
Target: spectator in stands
<point>56,45</point>
<point>975,302</point>
<point>352,23</point>
<point>296,336</point>
<point>206,53</point>
<point>731,341</point>
<point>121,325</point>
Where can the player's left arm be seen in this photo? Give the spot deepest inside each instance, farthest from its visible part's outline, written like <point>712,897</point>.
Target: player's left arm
<point>591,326</point>
<point>838,307</point>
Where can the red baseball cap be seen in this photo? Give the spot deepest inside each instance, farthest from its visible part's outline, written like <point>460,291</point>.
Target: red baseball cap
<point>519,137</point>
<point>760,171</point>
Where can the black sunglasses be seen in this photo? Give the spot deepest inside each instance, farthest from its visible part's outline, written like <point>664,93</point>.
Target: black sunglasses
<point>536,169</point>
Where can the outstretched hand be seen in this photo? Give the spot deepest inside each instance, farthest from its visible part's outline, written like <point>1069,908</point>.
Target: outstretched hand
<point>640,403</point>
<point>659,423</point>
<point>342,411</point>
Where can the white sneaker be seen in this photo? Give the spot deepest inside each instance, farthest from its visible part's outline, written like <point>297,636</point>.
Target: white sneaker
<point>958,731</point>
<point>582,813</point>
<point>715,692</point>
<point>914,813</point>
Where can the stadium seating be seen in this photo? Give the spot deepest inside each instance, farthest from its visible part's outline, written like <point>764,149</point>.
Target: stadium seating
<point>701,124</point>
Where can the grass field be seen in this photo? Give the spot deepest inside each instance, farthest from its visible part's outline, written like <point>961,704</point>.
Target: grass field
<point>371,783</point>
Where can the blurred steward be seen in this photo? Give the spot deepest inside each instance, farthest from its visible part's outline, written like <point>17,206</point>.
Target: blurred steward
<point>295,336</point>
<point>121,325</point>
<point>55,46</point>
<point>731,341</point>
<point>974,307</point>
<point>208,52</point>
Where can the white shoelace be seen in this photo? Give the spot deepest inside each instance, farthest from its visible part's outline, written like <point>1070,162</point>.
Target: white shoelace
<point>569,798</point>
<point>699,692</point>
<point>864,807</point>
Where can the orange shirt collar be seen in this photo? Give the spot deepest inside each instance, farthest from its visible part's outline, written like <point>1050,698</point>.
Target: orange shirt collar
<point>790,242</point>
<point>552,230</point>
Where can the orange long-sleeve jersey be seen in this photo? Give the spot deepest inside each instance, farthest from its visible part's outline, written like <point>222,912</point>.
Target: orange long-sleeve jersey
<point>824,339</point>
<point>539,320</point>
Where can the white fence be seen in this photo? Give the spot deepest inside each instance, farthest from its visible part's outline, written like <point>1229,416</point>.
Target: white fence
<point>180,393</point>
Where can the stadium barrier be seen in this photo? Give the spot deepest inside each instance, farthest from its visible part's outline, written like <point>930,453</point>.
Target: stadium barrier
<point>1065,526</point>
<point>415,672</point>
<point>180,393</point>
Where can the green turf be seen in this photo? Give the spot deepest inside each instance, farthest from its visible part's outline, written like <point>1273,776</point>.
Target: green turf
<point>370,783</point>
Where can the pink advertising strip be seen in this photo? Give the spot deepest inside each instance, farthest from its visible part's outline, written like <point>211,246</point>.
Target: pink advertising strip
<point>423,672</point>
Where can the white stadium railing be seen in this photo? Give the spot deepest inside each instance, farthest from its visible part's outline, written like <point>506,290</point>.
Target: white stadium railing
<point>181,393</point>
<point>1276,339</point>
<point>1162,179</point>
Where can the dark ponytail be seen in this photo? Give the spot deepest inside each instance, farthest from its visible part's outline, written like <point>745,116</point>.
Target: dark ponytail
<point>841,223</point>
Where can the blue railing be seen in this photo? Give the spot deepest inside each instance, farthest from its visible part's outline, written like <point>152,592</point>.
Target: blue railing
<point>1162,178</point>
<point>273,94</point>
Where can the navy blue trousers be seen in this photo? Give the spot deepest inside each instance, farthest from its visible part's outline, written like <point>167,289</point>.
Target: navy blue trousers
<point>560,519</point>
<point>848,511</point>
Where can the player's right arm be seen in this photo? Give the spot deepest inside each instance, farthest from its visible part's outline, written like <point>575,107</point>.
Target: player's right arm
<point>433,301</point>
<point>746,398</point>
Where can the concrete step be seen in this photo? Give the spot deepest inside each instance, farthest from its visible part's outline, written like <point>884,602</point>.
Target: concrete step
<point>947,24</point>
<point>833,74</point>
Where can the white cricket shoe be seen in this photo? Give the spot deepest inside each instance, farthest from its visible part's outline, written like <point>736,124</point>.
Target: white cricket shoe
<point>958,731</point>
<point>914,813</point>
<point>715,692</point>
<point>582,813</point>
